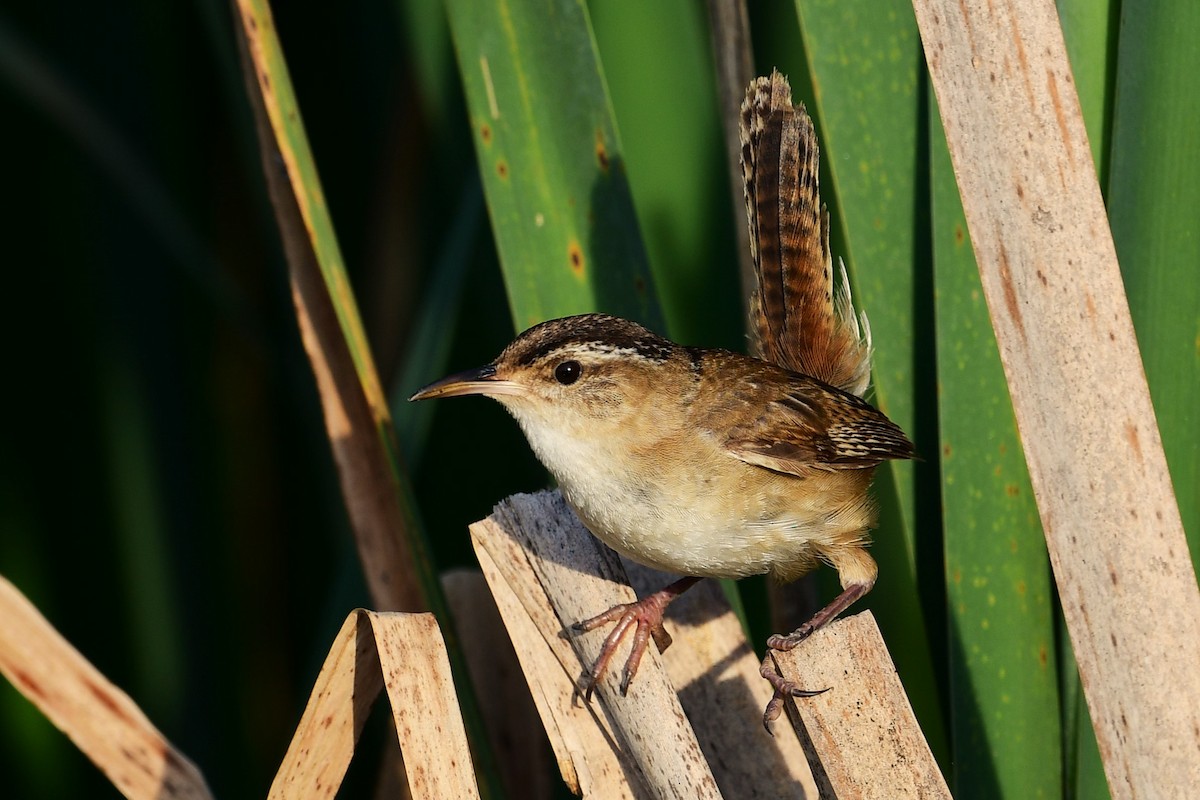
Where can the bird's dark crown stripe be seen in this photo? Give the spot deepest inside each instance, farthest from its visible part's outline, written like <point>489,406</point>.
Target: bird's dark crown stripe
<point>596,331</point>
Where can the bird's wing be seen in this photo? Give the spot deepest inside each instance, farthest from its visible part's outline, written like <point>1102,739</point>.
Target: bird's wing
<point>814,426</point>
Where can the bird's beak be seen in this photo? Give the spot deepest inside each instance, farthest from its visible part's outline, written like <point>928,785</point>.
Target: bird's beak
<point>474,381</point>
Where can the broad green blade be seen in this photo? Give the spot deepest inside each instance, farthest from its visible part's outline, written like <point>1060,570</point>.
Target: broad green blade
<point>672,141</point>
<point>864,57</point>
<point>1004,694</point>
<point>1153,207</point>
<point>1090,782</point>
<point>552,165</point>
<point>1089,29</point>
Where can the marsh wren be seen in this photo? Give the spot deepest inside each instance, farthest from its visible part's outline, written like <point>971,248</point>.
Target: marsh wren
<point>705,462</point>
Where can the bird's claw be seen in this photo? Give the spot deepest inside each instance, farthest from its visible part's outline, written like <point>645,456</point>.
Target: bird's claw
<point>782,686</point>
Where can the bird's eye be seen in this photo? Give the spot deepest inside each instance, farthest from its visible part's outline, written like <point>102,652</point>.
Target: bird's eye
<point>568,372</point>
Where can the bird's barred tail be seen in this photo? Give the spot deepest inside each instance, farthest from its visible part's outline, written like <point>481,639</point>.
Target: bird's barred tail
<point>798,319</point>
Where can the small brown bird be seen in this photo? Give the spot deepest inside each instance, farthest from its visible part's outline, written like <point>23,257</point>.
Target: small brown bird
<point>705,462</point>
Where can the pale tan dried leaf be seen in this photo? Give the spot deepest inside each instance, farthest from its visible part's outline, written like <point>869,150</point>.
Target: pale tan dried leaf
<point>99,718</point>
<point>405,653</point>
<point>416,674</point>
<point>323,743</point>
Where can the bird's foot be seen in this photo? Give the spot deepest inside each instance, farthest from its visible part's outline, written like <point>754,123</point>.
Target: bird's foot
<point>783,687</point>
<point>646,618</point>
<point>770,670</point>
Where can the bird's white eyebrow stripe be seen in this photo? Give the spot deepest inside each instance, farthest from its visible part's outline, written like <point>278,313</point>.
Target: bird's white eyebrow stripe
<point>608,348</point>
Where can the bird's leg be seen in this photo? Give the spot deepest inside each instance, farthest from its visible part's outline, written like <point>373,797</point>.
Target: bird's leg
<point>647,615</point>
<point>820,619</point>
<point>783,687</point>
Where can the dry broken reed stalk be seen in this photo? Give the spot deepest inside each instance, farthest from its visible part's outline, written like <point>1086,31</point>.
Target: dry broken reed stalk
<point>1057,302</point>
<point>403,654</point>
<point>98,717</point>
<point>689,728</point>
